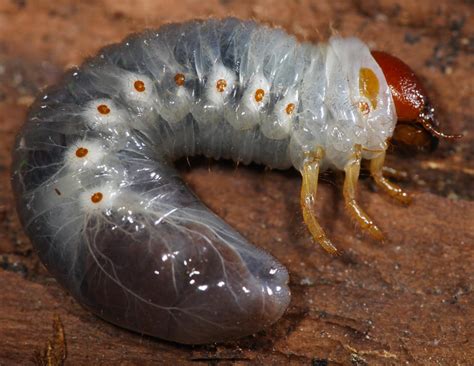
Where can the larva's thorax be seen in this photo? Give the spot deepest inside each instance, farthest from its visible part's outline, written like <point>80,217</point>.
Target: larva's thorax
<point>350,105</point>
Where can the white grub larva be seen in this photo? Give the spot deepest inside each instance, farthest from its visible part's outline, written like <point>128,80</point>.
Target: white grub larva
<point>107,212</point>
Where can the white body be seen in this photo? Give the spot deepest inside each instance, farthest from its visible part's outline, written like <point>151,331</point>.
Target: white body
<point>108,214</point>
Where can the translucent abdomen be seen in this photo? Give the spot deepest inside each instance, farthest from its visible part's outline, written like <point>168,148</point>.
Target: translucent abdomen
<point>117,227</point>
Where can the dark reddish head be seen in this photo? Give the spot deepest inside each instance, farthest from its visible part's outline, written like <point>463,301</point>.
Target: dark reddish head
<point>416,124</point>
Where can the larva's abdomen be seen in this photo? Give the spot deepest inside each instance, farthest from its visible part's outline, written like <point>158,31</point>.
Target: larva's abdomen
<point>159,262</point>
<point>197,283</point>
<point>108,214</point>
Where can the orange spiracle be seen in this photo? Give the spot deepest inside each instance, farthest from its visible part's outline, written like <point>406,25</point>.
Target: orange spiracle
<point>97,197</point>
<point>103,109</point>
<point>259,94</point>
<point>81,152</point>
<point>139,86</point>
<point>290,108</point>
<point>364,108</point>
<point>221,85</point>
<point>179,79</point>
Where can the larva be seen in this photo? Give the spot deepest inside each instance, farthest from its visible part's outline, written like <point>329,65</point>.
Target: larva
<point>110,217</point>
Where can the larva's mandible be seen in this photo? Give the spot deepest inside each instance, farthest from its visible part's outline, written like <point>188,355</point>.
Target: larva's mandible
<point>114,223</point>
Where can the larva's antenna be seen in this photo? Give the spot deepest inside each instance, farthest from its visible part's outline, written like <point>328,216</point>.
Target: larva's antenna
<point>429,127</point>
<point>427,120</point>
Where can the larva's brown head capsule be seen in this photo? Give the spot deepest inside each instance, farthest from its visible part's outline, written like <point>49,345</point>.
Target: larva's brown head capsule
<point>417,125</point>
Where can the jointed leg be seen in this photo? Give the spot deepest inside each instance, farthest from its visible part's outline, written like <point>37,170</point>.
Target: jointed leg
<point>310,174</point>
<point>394,191</point>
<point>352,170</point>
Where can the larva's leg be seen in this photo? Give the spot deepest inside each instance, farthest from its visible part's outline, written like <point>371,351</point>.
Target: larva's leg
<point>310,174</point>
<point>352,170</point>
<point>394,191</point>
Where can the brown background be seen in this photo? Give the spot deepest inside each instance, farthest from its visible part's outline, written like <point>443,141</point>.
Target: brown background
<point>408,300</point>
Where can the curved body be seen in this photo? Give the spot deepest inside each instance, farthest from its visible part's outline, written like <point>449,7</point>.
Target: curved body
<point>107,212</point>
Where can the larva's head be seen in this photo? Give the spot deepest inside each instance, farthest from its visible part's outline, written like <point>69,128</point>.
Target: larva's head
<point>416,125</point>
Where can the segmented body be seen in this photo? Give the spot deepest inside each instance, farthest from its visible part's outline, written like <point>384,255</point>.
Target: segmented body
<point>109,215</point>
